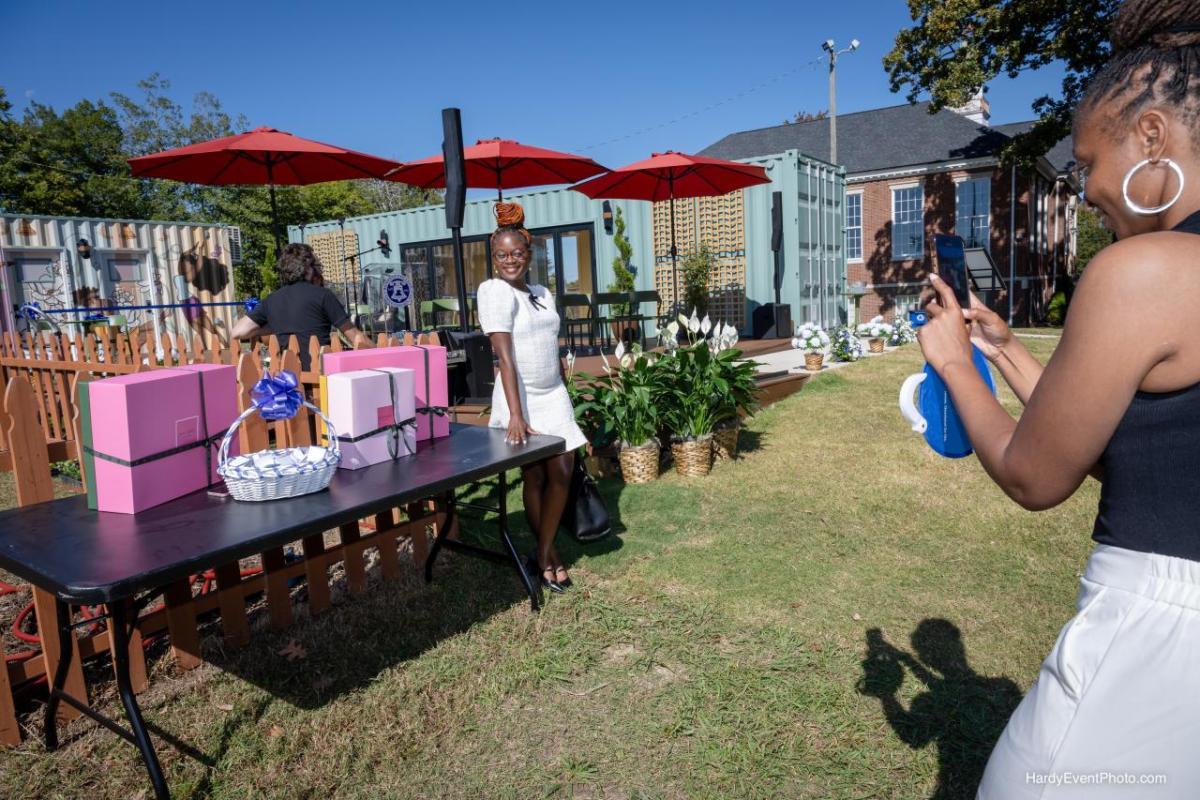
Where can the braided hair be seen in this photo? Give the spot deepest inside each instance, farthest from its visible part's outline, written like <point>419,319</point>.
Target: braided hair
<point>510,218</point>
<point>1155,59</point>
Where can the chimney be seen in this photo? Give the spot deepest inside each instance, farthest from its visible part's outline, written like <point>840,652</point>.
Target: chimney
<point>976,109</point>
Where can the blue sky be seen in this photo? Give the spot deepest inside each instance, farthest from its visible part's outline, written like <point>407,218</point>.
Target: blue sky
<point>584,77</point>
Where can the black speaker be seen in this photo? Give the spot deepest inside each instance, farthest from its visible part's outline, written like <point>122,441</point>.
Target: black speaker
<point>772,321</point>
<point>473,379</point>
<point>776,221</point>
<point>456,173</point>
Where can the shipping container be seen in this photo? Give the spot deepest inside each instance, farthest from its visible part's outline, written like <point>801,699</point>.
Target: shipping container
<point>67,265</point>
<point>574,250</point>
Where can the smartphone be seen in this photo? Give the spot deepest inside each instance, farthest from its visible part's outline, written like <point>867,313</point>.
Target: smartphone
<point>952,267</point>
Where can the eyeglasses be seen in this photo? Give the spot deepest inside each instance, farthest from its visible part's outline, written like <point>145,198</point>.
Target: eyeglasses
<point>515,255</point>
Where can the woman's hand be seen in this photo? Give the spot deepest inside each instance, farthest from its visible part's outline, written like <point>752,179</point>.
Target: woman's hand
<point>518,430</point>
<point>989,332</point>
<point>944,338</point>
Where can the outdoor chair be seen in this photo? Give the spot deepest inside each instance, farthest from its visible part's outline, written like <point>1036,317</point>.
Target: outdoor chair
<point>635,311</point>
<point>574,328</point>
<point>430,309</point>
<point>616,327</point>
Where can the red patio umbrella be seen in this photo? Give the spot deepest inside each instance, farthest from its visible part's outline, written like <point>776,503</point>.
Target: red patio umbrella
<point>261,156</point>
<point>671,175</point>
<point>501,164</point>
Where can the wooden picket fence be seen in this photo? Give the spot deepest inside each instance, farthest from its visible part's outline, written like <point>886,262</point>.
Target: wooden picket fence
<point>51,362</point>
<point>39,424</point>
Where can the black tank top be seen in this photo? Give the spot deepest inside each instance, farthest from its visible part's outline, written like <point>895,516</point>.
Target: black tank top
<point>1150,497</point>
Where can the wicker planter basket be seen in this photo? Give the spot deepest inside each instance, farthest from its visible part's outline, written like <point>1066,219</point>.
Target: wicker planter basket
<point>276,474</point>
<point>640,464</point>
<point>725,443</point>
<point>813,361</point>
<point>876,345</point>
<point>693,458</point>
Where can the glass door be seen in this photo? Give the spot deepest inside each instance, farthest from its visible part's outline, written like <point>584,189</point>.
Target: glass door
<point>543,264</point>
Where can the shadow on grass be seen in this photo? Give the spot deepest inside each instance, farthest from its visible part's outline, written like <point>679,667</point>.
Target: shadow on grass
<point>960,711</point>
<point>348,647</point>
<point>749,441</point>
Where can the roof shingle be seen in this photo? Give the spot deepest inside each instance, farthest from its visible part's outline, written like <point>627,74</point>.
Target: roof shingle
<point>883,138</point>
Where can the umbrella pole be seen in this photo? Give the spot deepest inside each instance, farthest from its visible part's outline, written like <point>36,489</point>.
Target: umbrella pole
<point>274,217</point>
<point>674,255</point>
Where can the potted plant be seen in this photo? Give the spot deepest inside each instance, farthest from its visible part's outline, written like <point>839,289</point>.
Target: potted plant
<point>626,401</point>
<point>735,390</point>
<point>690,408</point>
<point>623,330</point>
<point>695,272</point>
<point>876,332</point>
<point>599,457</point>
<point>814,342</point>
<point>902,332</point>
<point>845,345</point>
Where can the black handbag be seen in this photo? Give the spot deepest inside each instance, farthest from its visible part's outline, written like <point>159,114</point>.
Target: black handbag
<point>585,516</point>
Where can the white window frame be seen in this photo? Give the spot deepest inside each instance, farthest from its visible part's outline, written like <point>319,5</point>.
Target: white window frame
<point>905,255</point>
<point>907,302</point>
<point>859,258</point>
<point>959,219</point>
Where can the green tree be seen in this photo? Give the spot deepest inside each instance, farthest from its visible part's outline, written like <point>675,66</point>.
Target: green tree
<point>70,163</point>
<point>956,47</point>
<point>622,277</point>
<point>1090,237</point>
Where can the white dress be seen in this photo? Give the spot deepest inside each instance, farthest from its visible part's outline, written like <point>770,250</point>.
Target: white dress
<point>544,398</point>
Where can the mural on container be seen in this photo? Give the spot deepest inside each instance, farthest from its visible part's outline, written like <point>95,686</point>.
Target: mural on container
<point>181,268</point>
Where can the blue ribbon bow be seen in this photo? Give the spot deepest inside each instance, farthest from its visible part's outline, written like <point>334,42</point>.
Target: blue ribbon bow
<point>277,396</point>
<point>250,304</point>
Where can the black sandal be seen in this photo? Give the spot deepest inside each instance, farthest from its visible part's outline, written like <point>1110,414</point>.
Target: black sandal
<point>532,566</point>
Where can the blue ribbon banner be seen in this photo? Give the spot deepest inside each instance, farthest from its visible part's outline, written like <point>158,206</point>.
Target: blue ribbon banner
<point>277,396</point>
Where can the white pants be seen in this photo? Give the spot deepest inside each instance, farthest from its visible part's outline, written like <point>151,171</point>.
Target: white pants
<point>1115,709</point>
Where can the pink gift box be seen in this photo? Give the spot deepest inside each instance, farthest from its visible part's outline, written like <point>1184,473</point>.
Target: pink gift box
<point>428,363</point>
<point>361,404</point>
<point>136,421</point>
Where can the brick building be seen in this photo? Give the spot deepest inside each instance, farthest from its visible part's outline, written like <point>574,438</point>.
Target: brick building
<point>911,174</point>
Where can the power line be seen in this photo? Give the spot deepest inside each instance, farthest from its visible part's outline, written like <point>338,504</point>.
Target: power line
<point>710,106</point>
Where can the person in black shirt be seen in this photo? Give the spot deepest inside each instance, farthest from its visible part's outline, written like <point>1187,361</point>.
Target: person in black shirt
<point>300,307</point>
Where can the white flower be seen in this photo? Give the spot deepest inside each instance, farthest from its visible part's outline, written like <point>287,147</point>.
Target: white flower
<point>705,325</point>
<point>673,328</point>
<point>626,360</point>
<point>570,360</point>
<point>620,351</point>
<point>693,323</point>
<point>682,320</point>
<point>797,343</point>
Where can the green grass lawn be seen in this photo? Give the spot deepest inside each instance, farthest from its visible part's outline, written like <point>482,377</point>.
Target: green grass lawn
<point>840,614</point>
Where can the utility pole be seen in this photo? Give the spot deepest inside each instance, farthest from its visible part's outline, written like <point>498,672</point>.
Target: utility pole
<point>829,47</point>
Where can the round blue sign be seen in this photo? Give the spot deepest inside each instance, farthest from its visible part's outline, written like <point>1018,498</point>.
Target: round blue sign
<point>397,291</point>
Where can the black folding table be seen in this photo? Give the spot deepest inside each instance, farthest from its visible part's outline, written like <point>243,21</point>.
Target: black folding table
<point>86,557</point>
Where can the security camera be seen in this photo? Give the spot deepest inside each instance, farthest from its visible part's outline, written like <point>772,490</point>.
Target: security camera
<point>827,45</point>
<point>854,44</point>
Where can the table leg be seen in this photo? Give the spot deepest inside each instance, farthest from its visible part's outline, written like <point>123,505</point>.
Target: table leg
<point>62,615</point>
<point>441,536</point>
<point>511,547</point>
<point>129,700</point>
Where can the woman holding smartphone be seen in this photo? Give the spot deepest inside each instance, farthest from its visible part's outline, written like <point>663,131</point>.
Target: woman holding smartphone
<point>1119,399</point>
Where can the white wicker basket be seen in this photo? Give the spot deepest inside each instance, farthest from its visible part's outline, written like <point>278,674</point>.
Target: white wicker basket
<point>276,474</point>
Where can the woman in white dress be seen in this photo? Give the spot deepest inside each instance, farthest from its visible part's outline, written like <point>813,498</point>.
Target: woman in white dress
<point>530,397</point>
